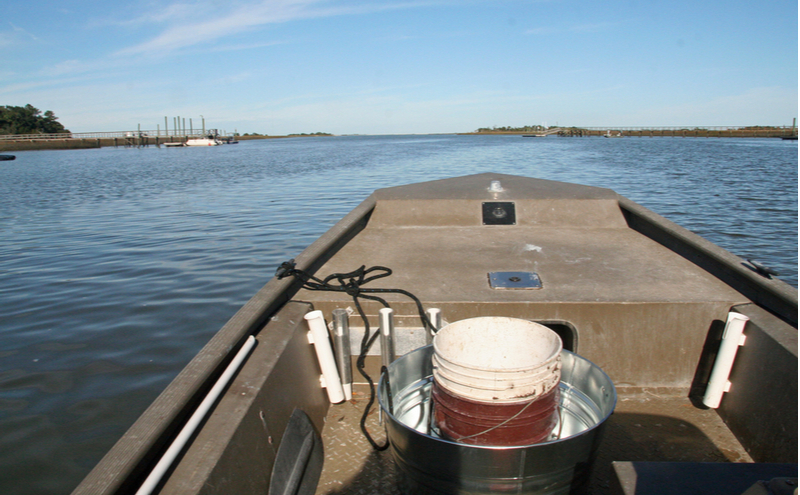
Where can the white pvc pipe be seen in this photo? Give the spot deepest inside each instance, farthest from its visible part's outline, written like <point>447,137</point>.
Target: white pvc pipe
<point>319,332</point>
<point>188,429</point>
<point>732,338</point>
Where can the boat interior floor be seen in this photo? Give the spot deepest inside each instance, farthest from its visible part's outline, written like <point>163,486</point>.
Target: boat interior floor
<point>644,427</point>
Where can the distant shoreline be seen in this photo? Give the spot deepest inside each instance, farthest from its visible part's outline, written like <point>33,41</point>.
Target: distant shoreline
<point>46,143</point>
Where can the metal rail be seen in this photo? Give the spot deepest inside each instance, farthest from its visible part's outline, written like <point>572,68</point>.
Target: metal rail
<point>789,132</point>
<point>692,128</point>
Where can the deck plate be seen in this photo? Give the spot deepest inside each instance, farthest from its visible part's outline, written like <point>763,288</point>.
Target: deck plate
<point>514,280</point>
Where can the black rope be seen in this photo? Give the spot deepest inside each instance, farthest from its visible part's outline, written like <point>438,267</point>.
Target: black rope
<point>352,283</point>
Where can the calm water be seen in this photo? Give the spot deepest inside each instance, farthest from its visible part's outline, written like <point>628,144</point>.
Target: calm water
<point>117,265</point>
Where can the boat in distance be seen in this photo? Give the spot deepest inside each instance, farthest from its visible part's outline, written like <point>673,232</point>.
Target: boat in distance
<point>206,141</point>
<point>700,408</point>
<point>211,138</point>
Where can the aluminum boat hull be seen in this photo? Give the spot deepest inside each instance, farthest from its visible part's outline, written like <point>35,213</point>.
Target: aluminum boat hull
<point>636,294</point>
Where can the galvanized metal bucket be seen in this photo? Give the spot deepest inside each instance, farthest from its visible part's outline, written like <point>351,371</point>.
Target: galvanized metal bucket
<point>427,463</point>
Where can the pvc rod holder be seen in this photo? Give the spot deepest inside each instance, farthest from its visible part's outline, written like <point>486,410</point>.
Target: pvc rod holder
<point>387,336</point>
<point>327,363</point>
<point>435,317</point>
<point>197,417</point>
<point>341,333</point>
<point>732,338</point>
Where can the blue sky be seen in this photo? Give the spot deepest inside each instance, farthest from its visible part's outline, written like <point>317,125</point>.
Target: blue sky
<point>414,66</point>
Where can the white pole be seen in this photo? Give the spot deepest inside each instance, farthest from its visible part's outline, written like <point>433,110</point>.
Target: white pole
<point>319,333</point>
<point>732,338</point>
<point>177,445</point>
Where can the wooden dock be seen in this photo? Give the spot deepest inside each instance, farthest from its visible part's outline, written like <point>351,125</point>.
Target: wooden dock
<point>81,140</point>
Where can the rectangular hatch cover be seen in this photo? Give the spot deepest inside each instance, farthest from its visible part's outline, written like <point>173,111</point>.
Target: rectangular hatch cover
<point>514,280</point>
<point>499,213</point>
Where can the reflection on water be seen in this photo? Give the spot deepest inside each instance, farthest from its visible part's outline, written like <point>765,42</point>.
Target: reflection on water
<point>117,265</point>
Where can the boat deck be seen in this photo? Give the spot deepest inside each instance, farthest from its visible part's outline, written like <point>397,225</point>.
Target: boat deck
<point>644,427</point>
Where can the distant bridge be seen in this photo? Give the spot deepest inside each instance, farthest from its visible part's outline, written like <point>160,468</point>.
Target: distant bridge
<point>676,131</point>
<point>688,131</point>
<point>545,133</point>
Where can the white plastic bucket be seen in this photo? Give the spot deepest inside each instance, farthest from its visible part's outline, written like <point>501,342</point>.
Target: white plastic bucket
<point>497,359</point>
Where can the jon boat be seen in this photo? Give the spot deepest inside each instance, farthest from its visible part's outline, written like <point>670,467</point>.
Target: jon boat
<point>637,295</point>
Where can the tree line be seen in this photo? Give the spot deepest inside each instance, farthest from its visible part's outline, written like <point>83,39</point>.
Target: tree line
<point>527,128</point>
<point>28,120</point>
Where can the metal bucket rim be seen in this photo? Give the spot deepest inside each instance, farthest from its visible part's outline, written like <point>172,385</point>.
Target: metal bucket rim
<point>600,422</point>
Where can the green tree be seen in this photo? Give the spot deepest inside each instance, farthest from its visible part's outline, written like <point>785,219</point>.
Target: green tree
<point>28,120</point>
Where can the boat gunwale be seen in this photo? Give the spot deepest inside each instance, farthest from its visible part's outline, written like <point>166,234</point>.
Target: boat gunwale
<point>772,294</point>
